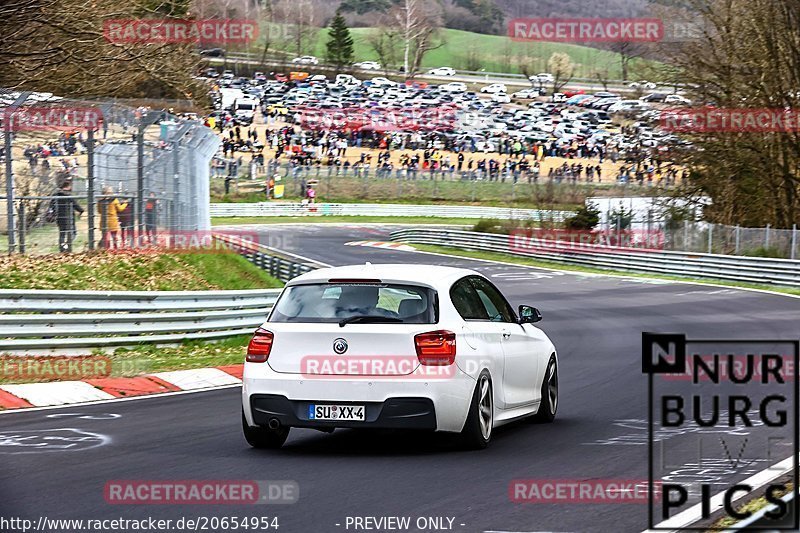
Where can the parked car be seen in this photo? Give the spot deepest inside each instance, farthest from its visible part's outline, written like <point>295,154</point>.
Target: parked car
<point>677,99</point>
<point>542,78</point>
<point>501,98</point>
<point>442,71</point>
<point>383,82</point>
<point>213,52</point>
<point>367,65</point>
<point>305,60</point>
<point>494,88</point>
<point>454,87</point>
<point>526,94</point>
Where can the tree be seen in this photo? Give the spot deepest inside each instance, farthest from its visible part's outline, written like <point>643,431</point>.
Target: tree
<point>340,43</point>
<point>417,22</point>
<point>60,46</point>
<point>748,56</point>
<point>385,42</point>
<point>562,68</point>
<point>628,51</point>
<point>585,218</point>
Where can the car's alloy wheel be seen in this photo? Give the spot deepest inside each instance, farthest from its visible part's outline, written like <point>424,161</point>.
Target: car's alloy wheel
<point>477,430</point>
<point>549,403</point>
<point>485,407</point>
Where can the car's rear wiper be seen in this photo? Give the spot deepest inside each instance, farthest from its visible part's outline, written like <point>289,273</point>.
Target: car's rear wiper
<point>367,318</point>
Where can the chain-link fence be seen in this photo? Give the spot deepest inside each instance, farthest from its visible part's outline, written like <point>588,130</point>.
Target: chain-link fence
<point>80,175</point>
<point>706,237</point>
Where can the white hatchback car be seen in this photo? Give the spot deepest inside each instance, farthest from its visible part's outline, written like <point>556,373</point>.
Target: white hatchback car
<point>367,65</point>
<point>442,71</point>
<point>396,346</point>
<point>305,60</point>
<point>495,88</point>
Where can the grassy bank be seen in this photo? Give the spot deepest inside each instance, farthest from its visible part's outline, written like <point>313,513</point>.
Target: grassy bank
<point>148,359</point>
<point>427,192</point>
<point>133,271</point>
<point>466,50</point>
<point>334,219</point>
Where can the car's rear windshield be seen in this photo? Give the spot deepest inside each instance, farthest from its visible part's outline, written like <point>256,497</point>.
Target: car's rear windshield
<point>335,302</point>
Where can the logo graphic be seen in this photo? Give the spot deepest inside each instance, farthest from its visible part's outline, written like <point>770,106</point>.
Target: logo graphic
<point>340,346</point>
<point>733,414</point>
<point>663,354</point>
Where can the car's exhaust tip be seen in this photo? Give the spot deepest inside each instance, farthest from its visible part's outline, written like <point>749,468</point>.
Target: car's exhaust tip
<point>274,423</point>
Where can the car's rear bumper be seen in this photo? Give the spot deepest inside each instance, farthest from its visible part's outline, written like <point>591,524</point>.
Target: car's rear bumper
<point>405,401</point>
<point>394,413</point>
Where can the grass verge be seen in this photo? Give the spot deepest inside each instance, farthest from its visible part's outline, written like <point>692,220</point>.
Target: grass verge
<point>133,271</point>
<point>508,258</point>
<point>751,506</point>
<point>227,221</point>
<point>146,359</point>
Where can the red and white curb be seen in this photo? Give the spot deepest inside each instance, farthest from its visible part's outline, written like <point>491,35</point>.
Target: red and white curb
<point>98,389</point>
<point>382,244</point>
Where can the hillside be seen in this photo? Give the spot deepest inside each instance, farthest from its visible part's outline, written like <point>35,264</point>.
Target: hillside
<point>494,53</point>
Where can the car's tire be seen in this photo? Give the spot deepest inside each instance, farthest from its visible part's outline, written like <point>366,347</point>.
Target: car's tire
<point>477,432</point>
<point>549,404</point>
<point>264,438</point>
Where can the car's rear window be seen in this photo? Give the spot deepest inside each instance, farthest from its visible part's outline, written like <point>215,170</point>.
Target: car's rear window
<point>334,302</point>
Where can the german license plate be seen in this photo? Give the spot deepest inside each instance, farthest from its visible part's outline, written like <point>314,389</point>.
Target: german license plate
<point>336,412</point>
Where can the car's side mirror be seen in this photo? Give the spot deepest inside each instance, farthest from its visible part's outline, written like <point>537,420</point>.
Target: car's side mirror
<point>529,315</point>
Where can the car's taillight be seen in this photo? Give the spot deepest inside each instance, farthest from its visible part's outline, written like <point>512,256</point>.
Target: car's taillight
<point>260,346</point>
<point>436,348</point>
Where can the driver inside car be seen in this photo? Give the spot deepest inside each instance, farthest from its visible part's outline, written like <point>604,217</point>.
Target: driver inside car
<point>360,300</point>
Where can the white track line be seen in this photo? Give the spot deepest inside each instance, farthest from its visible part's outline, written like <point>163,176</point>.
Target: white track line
<point>115,400</point>
<point>693,514</point>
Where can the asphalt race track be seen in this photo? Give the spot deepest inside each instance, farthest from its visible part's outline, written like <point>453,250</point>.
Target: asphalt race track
<point>595,322</point>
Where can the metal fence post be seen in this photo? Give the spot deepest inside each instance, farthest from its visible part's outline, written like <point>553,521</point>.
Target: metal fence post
<point>9,171</point>
<point>686,235</point>
<point>9,188</point>
<point>175,220</point>
<point>793,253</point>
<point>90,186</point>
<point>22,226</point>
<point>766,237</point>
<point>139,211</point>
<point>710,236</point>
<point>738,229</point>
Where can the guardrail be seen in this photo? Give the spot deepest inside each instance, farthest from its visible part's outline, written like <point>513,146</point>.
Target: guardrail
<point>268,209</point>
<point>77,322</point>
<point>782,272</point>
<point>279,264</point>
<point>254,58</point>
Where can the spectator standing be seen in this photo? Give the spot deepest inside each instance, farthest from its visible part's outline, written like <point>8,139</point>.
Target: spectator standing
<point>150,217</point>
<point>65,208</point>
<point>110,207</point>
<point>125,215</point>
